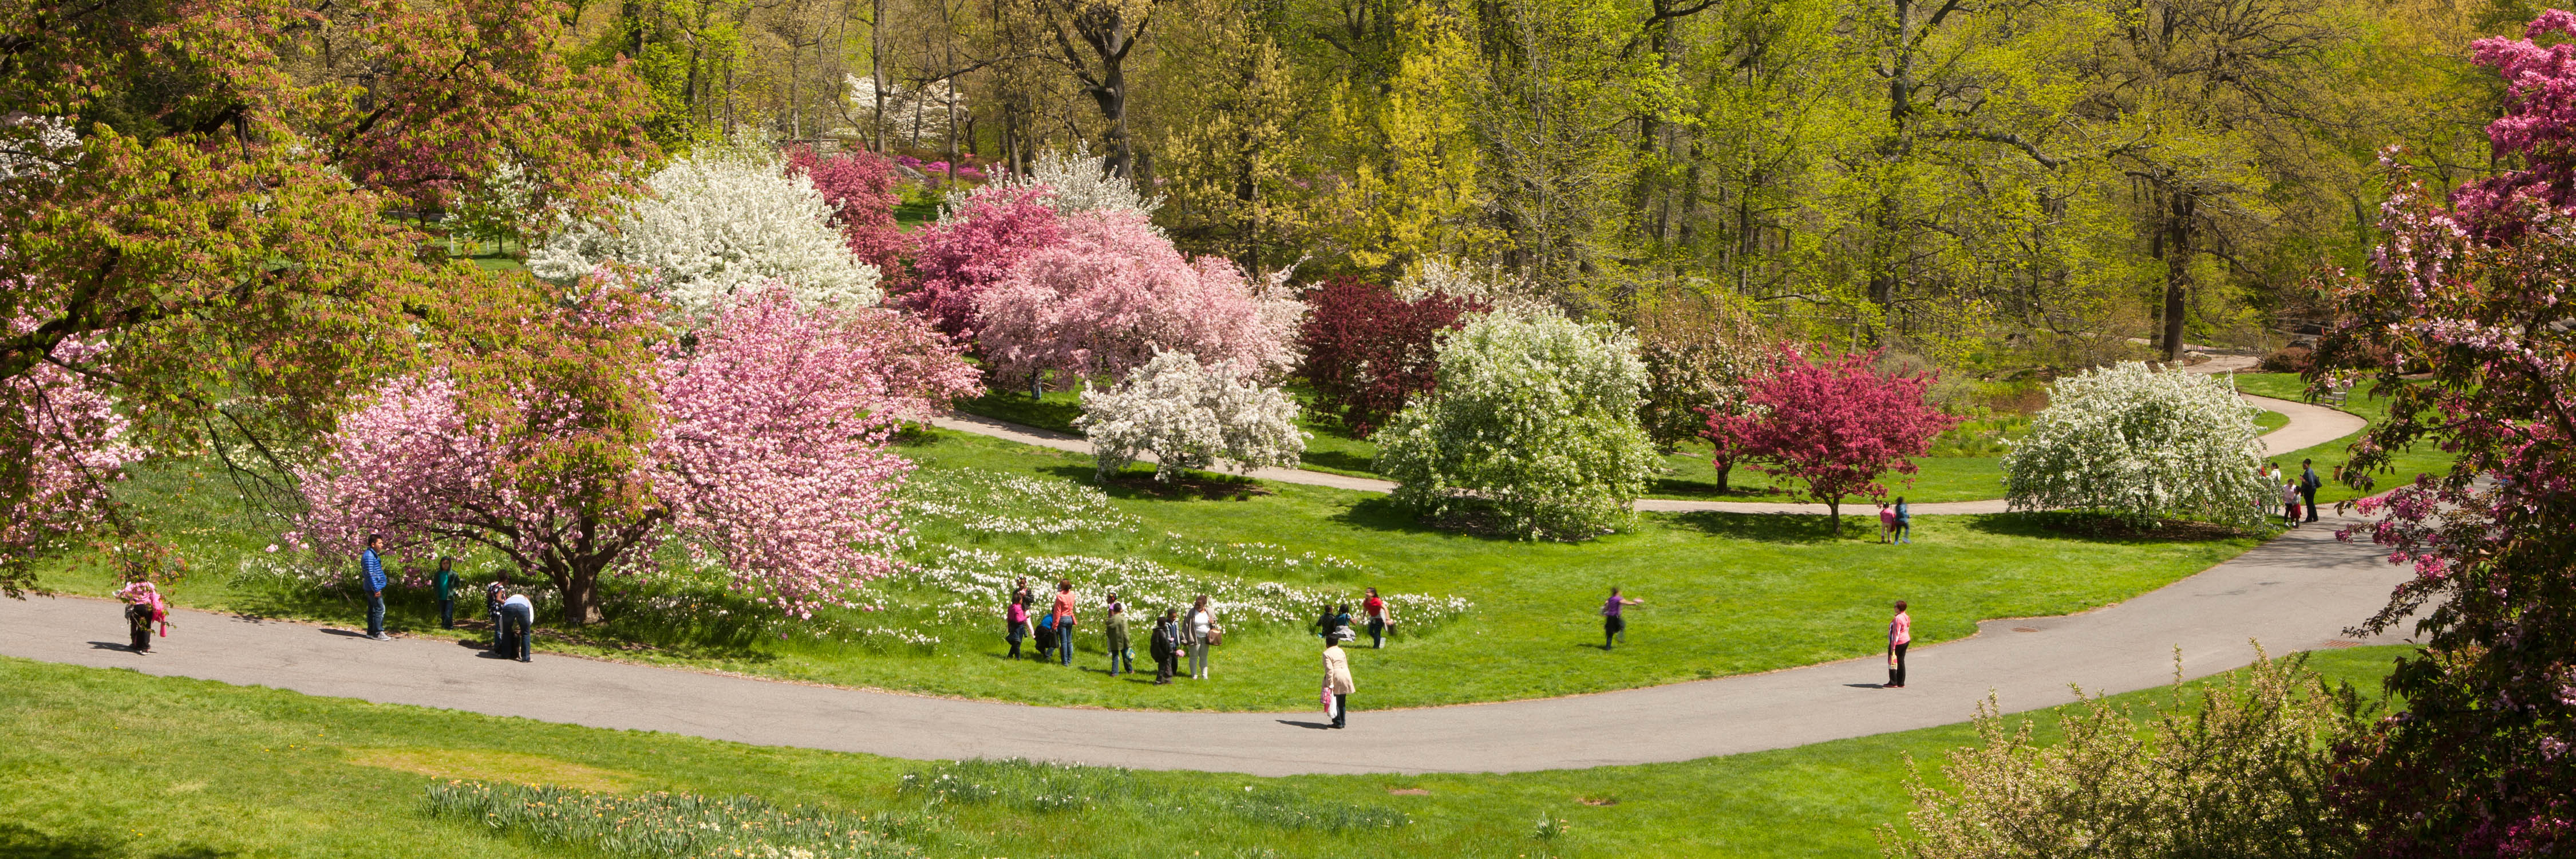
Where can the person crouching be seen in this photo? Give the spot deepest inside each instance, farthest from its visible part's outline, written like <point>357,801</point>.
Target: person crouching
<point>144,607</point>
<point>518,615</point>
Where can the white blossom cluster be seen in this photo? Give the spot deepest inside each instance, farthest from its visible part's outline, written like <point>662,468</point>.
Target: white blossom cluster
<point>2144,444</point>
<point>1189,416</point>
<point>917,116</point>
<point>35,146</point>
<point>992,502</point>
<point>1261,557</point>
<point>1080,182</point>
<point>501,206</point>
<point>724,219</point>
<point>1500,290</point>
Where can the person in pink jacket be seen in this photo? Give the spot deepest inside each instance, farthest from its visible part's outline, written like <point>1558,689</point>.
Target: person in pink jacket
<point>1900,632</point>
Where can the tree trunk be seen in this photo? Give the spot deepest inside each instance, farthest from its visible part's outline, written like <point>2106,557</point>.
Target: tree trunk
<point>1834,511</point>
<point>1722,470</point>
<point>2175,249</point>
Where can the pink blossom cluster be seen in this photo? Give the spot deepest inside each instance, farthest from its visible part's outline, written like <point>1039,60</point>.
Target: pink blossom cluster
<point>2538,125</point>
<point>976,244</point>
<point>73,442</point>
<point>861,188</point>
<point>767,454</point>
<point>1114,291</point>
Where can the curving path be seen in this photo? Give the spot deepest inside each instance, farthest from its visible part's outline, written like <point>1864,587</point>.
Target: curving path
<point>2296,592</point>
<point>2309,426</point>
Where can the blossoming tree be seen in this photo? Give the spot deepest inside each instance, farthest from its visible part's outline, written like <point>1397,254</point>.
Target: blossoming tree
<point>1535,416</point>
<point>759,442</point>
<point>860,187</point>
<point>2461,320</point>
<point>2144,445</point>
<point>76,449</point>
<point>724,220</point>
<point>1115,292</point>
<point>1368,351</point>
<point>979,241</point>
<point>1835,425</point>
<point>1191,416</point>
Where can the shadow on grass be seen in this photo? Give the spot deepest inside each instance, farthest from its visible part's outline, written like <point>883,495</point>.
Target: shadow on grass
<point>1379,513</point>
<point>1705,489</point>
<point>1052,413</point>
<point>1798,528</point>
<point>1341,459</point>
<point>20,842</point>
<point>2092,527</point>
<point>1138,484</point>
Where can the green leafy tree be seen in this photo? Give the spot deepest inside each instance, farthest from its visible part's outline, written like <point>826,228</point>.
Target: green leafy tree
<point>1534,416</point>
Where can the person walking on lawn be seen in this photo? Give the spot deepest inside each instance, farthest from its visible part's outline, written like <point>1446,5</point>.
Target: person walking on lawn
<point>372,573</point>
<point>1064,620</point>
<point>518,621</point>
<point>2308,486</point>
<point>444,583</point>
<point>1200,632</point>
<point>1378,619</point>
<point>1337,680</point>
<point>1904,522</point>
<point>1614,627</point>
<point>1900,632</point>
<point>1116,630</point>
<point>1016,619</point>
<point>144,607</point>
<point>1166,646</point>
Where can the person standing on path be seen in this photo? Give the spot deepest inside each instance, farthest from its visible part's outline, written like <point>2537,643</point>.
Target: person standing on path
<point>1116,630</point>
<point>1900,632</point>
<point>372,569</point>
<point>444,581</point>
<point>1064,620</point>
<point>144,607</point>
<point>2308,486</point>
<point>1337,679</point>
<point>1613,626</point>
<point>1166,646</point>
<point>1015,618</point>
<point>1200,632</point>
<point>1904,522</point>
<point>518,622</point>
<point>1378,619</point>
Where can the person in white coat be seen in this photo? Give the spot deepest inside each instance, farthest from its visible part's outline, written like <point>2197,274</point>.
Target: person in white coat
<point>1337,679</point>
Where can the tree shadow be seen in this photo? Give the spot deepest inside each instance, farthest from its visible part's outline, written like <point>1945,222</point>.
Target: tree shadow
<point>2090,527</point>
<point>1705,490</point>
<point>1134,484</point>
<point>1342,459</point>
<point>1790,528</point>
<point>18,841</point>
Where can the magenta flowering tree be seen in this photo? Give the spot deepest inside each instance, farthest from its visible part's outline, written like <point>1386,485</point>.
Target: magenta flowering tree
<point>759,442</point>
<point>1834,425</point>
<point>2463,322</point>
<point>860,187</point>
<point>1114,291</point>
<point>976,244</point>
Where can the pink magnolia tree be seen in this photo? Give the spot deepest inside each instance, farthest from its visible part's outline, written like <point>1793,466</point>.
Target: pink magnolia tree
<point>2462,322</point>
<point>1113,292</point>
<point>758,443</point>
<point>860,186</point>
<point>1834,425</point>
<point>975,245</point>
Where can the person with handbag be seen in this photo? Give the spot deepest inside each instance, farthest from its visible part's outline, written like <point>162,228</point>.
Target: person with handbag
<point>1200,633</point>
<point>1337,680</point>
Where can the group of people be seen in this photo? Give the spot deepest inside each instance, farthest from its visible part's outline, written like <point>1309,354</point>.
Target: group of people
<point>1335,621</point>
<point>2299,495</point>
<point>512,614</point>
<point>1175,637</point>
<point>1895,523</point>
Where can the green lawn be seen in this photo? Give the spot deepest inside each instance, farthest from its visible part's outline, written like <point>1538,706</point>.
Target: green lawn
<point>2419,459</point>
<point>1687,473</point>
<point>107,764</point>
<point>1725,594</point>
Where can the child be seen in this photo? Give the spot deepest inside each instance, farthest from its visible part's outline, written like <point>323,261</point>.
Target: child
<point>1886,522</point>
<point>2290,503</point>
<point>143,608</point>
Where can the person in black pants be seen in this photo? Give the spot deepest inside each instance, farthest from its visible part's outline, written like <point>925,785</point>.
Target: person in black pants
<point>2308,486</point>
<point>492,594</point>
<point>1166,644</point>
<point>518,616</point>
<point>445,583</point>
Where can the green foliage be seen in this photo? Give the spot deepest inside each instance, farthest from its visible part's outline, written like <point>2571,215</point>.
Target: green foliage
<point>1047,788</point>
<point>1534,416</point>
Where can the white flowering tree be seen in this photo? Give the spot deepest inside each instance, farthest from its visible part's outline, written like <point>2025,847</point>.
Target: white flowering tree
<point>1534,415</point>
<point>2143,444</point>
<point>725,220</point>
<point>1079,181</point>
<point>916,115</point>
<point>1191,416</point>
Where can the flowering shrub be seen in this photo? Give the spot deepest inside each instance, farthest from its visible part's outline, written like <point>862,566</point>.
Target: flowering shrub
<point>1492,288</point>
<point>674,825</point>
<point>1188,416</point>
<point>1079,181</point>
<point>1368,351</point>
<point>2144,445</point>
<point>860,187</point>
<point>1535,416</point>
<point>1835,426</point>
<point>978,241</point>
<point>1114,293</point>
<point>914,116</point>
<point>67,446</point>
<point>1699,353</point>
<point>723,221</point>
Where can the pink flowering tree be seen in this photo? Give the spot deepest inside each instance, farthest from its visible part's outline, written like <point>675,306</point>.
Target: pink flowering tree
<point>978,243</point>
<point>1834,425</point>
<point>758,442</point>
<point>860,187</point>
<point>1102,302</point>
<point>62,445</point>
<point>2462,321</point>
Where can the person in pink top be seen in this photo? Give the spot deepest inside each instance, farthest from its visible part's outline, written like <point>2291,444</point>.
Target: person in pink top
<point>1886,521</point>
<point>1900,632</point>
<point>1016,615</point>
<point>1064,620</point>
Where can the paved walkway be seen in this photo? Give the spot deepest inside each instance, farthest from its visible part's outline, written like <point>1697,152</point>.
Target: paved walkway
<point>2309,426</point>
<point>2294,593</point>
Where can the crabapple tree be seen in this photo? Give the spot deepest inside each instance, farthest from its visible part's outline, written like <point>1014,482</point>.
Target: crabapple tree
<point>2144,445</point>
<point>1368,351</point>
<point>1834,425</point>
<point>1191,416</point>
<point>1114,292</point>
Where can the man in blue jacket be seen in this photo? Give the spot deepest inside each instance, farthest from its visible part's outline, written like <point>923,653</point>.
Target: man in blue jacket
<point>375,584</point>
<point>2308,486</point>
